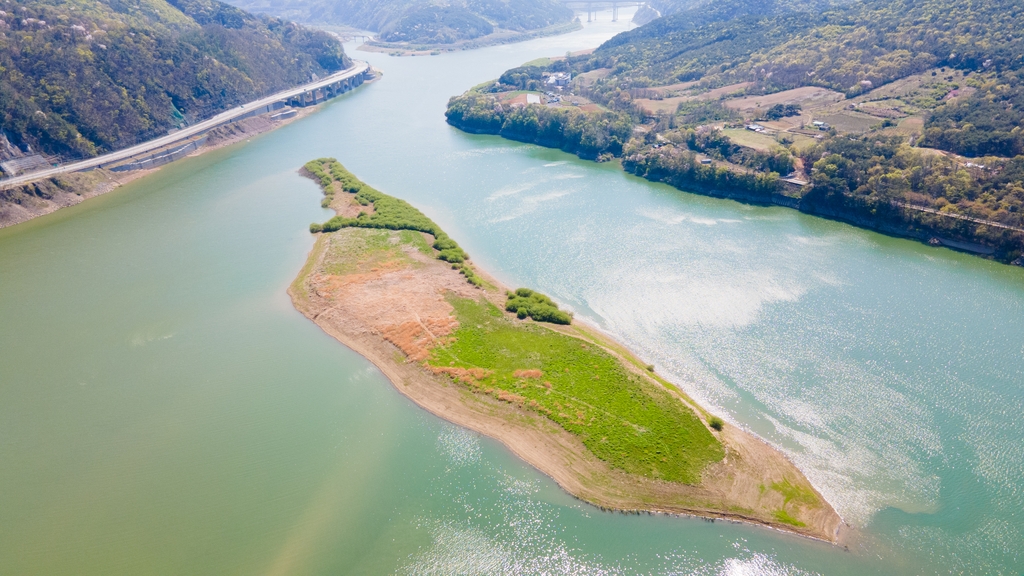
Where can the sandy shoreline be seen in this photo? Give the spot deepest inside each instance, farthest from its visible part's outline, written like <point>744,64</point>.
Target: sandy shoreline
<point>363,309</point>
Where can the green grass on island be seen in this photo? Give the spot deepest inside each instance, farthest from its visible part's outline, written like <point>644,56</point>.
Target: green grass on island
<point>366,249</point>
<point>622,417</point>
<point>792,494</point>
<point>787,518</point>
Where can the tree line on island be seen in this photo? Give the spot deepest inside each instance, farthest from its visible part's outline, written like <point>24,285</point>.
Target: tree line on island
<point>392,213</point>
<point>388,212</point>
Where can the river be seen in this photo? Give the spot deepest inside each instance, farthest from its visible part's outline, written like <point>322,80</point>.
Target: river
<point>164,410</point>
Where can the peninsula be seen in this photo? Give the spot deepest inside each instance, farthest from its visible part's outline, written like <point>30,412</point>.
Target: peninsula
<point>855,111</point>
<point>387,282</point>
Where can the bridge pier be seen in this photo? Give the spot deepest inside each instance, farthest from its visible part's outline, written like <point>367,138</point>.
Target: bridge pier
<point>592,6</point>
<point>326,92</point>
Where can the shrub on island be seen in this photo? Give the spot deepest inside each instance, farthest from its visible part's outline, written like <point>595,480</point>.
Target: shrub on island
<point>525,302</point>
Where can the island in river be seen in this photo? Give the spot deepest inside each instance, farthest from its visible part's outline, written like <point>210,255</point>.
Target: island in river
<point>387,282</point>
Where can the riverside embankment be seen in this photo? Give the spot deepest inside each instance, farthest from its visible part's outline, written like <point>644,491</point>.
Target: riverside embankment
<point>27,196</point>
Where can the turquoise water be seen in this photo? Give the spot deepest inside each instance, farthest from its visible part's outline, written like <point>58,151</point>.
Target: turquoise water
<point>164,410</point>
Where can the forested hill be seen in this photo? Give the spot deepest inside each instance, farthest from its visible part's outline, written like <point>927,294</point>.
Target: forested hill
<point>875,40</point>
<point>853,48</point>
<point>682,15</point>
<point>901,115</point>
<point>82,77</point>
<point>420,21</point>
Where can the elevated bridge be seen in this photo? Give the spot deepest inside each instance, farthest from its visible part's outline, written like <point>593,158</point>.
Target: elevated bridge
<point>323,92</point>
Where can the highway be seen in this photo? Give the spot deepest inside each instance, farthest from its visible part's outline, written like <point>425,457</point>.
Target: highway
<point>358,68</point>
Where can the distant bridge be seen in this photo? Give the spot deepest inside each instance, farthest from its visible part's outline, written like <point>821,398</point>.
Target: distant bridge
<point>593,6</point>
<point>308,94</point>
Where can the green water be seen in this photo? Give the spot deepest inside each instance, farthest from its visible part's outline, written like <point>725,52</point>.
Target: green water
<point>164,410</point>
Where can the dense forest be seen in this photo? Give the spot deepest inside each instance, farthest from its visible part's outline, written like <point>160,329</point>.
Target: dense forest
<point>82,77</point>
<point>957,176</point>
<point>420,21</point>
<point>986,123</point>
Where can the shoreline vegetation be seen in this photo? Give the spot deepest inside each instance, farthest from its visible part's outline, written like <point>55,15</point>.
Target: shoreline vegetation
<point>387,282</point>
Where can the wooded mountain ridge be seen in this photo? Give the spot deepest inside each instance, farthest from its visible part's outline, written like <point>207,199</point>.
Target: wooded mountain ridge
<point>420,21</point>
<point>83,77</point>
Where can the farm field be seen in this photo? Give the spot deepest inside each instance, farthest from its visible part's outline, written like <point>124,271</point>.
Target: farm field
<point>850,121</point>
<point>667,105</point>
<point>755,140</point>
<point>808,97</point>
